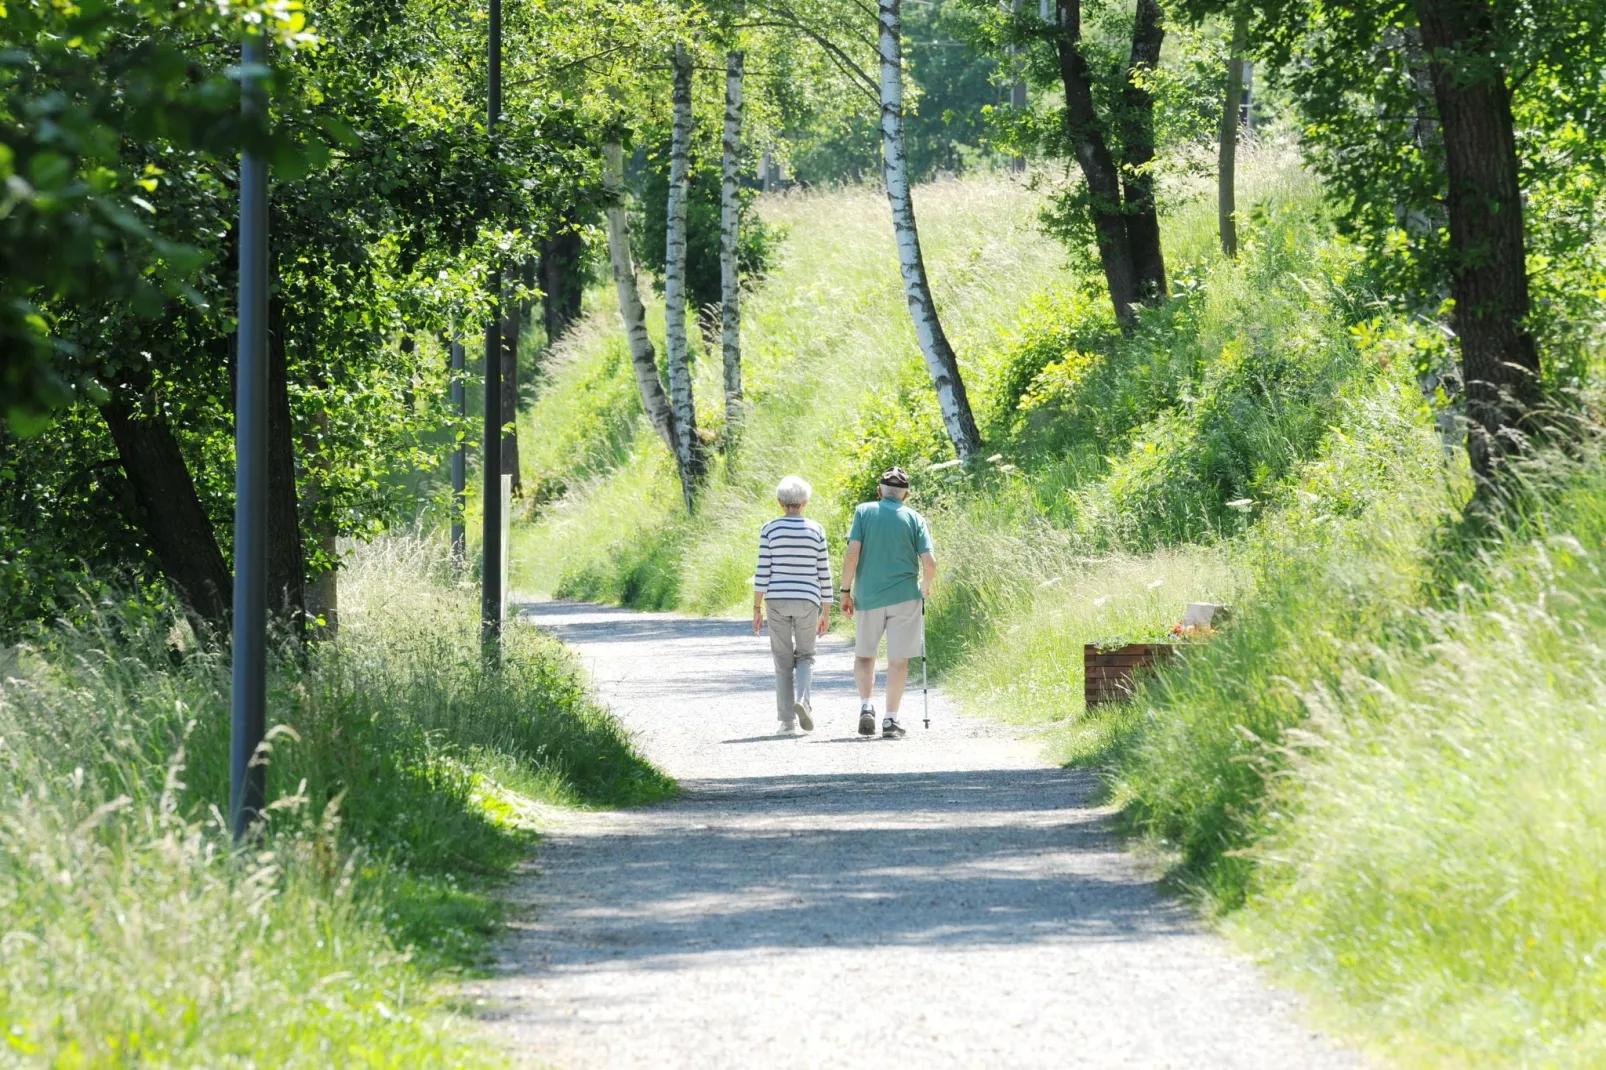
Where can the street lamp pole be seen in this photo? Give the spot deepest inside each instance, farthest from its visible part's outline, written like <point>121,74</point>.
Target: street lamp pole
<point>248,716</point>
<point>491,593</point>
<point>459,459</point>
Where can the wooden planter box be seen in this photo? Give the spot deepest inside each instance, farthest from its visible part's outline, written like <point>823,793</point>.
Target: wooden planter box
<point>1109,670</point>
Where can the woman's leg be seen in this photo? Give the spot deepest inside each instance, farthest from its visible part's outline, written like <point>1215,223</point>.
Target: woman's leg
<point>783,650</point>
<point>805,627</point>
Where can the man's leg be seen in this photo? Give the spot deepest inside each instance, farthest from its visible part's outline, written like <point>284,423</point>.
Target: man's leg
<point>868,625</point>
<point>864,676</point>
<point>897,677</point>
<point>903,643</point>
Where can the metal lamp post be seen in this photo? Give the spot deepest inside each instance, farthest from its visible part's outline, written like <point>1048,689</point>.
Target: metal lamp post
<point>248,723</point>
<point>491,594</point>
<point>459,459</point>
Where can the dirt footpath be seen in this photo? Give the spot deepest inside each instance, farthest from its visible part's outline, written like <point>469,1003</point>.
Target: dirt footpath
<point>946,900</point>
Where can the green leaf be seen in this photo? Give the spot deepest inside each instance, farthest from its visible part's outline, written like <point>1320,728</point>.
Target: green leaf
<point>49,170</point>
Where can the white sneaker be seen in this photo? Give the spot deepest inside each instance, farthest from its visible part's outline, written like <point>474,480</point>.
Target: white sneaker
<point>805,717</point>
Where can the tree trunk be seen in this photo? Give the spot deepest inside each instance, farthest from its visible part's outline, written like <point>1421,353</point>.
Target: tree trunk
<point>654,402</point>
<point>511,325</point>
<point>688,452</point>
<point>1137,143</point>
<point>1098,165</point>
<point>940,359</point>
<point>1227,168</point>
<point>170,513</point>
<point>560,279</point>
<point>287,565</point>
<point>1499,362</point>
<point>730,215</point>
<point>1017,91</point>
<point>323,590</point>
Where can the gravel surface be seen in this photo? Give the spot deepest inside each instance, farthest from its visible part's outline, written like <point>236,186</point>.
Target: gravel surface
<point>945,900</point>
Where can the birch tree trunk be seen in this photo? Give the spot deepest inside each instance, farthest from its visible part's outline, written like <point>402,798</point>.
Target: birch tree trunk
<point>1227,166</point>
<point>730,307</point>
<point>642,355</point>
<point>940,359</point>
<point>676,343</point>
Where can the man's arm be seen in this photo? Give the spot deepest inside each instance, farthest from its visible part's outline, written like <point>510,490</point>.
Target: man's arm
<point>850,566</point>
<point>928,565</point>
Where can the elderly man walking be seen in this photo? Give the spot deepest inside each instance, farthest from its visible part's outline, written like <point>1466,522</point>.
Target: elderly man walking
<point>886,577</point>
<point>794,577</point>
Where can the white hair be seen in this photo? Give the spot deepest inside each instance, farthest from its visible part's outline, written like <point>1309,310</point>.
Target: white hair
<point>793,491</point>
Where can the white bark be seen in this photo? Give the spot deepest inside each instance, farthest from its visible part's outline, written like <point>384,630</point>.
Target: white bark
<point>676,343</point>
<point>939,355</point>
<point>730,307</point>
<point>642,355</point>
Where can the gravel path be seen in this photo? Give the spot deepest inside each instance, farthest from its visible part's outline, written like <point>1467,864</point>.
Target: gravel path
<point>942,901</point>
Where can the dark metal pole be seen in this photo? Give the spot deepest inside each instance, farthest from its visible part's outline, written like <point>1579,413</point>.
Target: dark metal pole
<point>491,540</point>
<point>248,782</point>
<point>459,460</point>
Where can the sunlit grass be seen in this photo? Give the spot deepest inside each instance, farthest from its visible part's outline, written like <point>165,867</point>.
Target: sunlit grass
<point>1386,784</point>
<point>402,778</point>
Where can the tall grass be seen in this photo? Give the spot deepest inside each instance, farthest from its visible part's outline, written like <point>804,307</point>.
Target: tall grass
<point>826,341</point>
<point>1385,771</point>
<point>399,776</point>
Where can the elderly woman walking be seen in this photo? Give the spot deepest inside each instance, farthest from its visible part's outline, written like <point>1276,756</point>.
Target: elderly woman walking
<point>794,576</point>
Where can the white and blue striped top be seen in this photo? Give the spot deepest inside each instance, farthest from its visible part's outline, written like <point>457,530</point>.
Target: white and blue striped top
<point>792,560</point>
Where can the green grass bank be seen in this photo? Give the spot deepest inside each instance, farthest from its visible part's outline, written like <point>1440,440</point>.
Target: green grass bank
<point>1383,775</point>
<point>402,783</point>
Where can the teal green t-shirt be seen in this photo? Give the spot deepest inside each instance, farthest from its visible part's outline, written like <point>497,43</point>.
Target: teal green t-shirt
<point>891,538</point>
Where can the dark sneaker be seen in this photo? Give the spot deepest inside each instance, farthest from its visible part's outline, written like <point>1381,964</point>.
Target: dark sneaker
<point>891,729</point>
<point>867,720</point>
<point>805,718</point>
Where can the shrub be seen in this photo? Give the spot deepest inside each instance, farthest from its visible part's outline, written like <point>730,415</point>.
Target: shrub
<point>399,772</point>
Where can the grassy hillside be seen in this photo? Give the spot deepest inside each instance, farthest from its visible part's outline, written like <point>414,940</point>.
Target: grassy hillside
<point>401,780</point>
<point>827,349</point>
<point>1383,773</point>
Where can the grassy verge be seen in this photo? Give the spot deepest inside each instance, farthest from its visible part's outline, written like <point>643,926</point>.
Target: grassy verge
<point>1384,774</point>
<point>400,776</point>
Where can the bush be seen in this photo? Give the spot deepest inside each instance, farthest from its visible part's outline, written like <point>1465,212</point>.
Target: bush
<point>756,245</point>
<point>399,772</point>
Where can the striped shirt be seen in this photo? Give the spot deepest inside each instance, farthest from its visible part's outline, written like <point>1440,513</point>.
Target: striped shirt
<point>792,560</point>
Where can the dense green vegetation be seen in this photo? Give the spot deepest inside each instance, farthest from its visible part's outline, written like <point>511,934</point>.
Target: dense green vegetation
<point>405,783</point>
<point>1373,426</point>
<point>1378,772</point>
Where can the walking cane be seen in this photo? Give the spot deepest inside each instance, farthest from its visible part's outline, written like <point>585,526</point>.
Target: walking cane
<point>925,697</point>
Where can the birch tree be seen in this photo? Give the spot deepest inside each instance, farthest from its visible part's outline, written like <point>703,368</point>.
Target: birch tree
<point>730,314</point>
<point>939,355</point>
<point>688,451</point>
<point>643,357</point>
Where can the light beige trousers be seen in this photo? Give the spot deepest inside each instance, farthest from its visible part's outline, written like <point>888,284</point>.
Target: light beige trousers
<point>793,623</point>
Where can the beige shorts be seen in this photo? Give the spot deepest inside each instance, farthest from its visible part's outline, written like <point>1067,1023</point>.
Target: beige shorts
<point>899,621</point>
